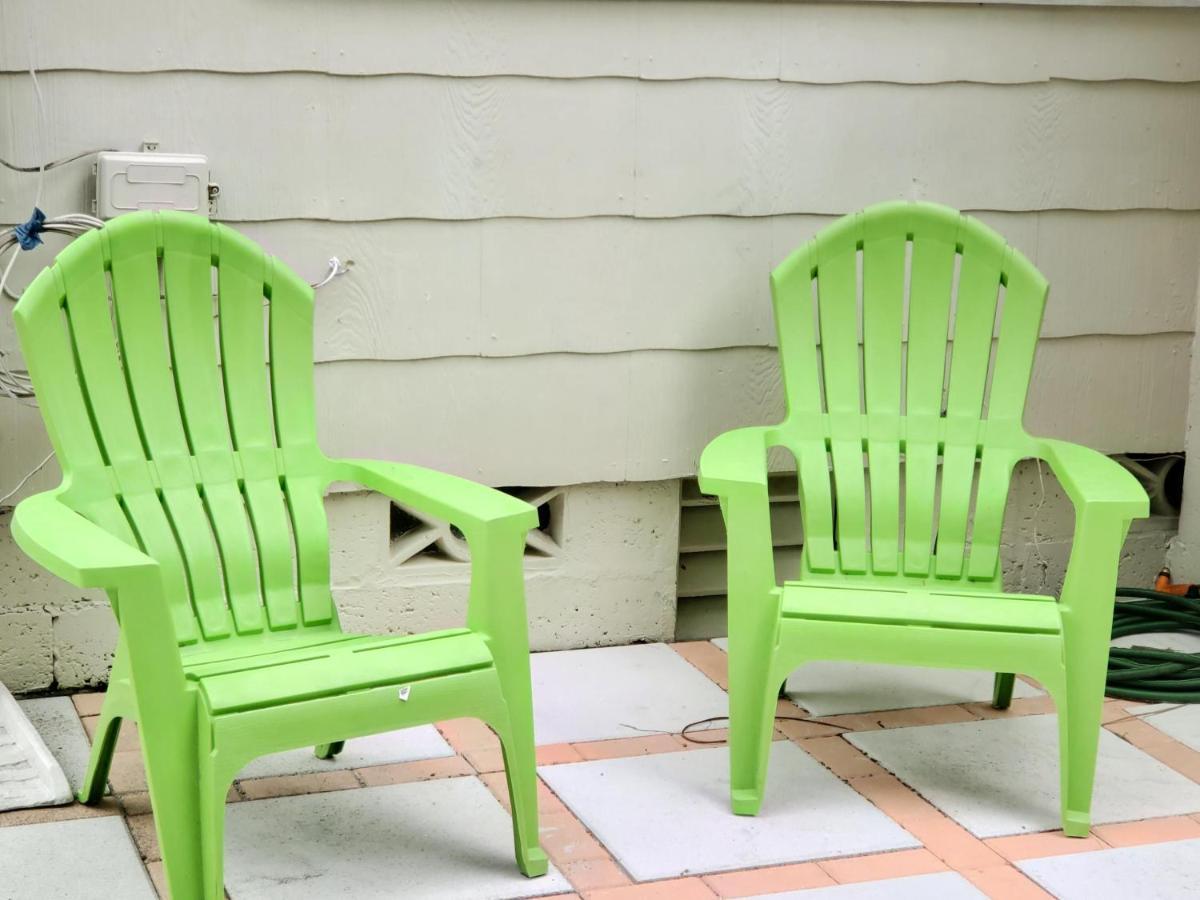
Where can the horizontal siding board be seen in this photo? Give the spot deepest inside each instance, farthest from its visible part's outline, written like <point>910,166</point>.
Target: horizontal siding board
<point>310,146</point>
<point>757,149</point>
<point>511,287</point>
<point>986,43</point>
<point>576,418</point>
<point>568,418</point>
<point>803,42</point>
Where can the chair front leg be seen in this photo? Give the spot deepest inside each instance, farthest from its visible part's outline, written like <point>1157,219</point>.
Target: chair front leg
<point>497,610</point>
<point>753,616</point>
<point>169,737</point>
<point>1087,602</point>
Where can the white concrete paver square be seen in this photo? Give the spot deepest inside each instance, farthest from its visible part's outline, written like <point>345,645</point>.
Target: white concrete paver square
<point>831,688</point>
<point>1151,870</point>
<point>1179,722</point>
<point>57,722</point>
<point>80,859</point>
<point>668,814</point>
<point>446,838</point>
<point>1000,776</point>
<point>618,692</point>
<point>405,745</point>
<point>940,885</point>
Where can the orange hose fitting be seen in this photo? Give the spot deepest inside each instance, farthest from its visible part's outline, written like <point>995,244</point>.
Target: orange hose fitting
<point>1163,584</point>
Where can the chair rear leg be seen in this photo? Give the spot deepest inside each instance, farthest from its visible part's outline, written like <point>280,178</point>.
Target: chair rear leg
<point>752,701</point>
<point>330,750</point>
<point>118,699</point>
<point>521,773</point>
<point>514,726</point>
<point>1002,690</point>
<point>104,742</point>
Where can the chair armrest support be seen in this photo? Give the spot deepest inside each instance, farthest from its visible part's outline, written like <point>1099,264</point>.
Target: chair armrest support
<point>735,462</point>
<point>734,467</point>
<point>1106,497</point>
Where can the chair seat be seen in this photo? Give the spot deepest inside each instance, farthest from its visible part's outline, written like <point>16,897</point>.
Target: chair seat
<point>340,665</point>
<point>931,608</point>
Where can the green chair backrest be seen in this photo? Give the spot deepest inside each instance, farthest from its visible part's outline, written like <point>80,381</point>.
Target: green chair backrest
<point>185,424</point>
<point>907,329</point>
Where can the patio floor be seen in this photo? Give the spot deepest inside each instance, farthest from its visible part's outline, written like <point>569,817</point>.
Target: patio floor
<point>878,799</point>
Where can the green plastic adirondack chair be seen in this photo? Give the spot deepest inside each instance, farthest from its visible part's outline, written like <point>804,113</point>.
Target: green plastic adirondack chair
<point>192,493</point>
<point>904,568</point>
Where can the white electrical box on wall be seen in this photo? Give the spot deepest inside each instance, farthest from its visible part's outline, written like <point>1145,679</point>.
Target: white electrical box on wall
<point>130,181</point>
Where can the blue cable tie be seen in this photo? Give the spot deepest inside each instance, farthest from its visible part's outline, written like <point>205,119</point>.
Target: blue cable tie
<point>27,233</point>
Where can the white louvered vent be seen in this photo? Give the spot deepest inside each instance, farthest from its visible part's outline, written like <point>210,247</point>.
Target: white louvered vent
<point>700,586</point>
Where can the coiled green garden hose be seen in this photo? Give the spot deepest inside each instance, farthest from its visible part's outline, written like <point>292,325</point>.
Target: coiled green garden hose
<point>1147,674</point>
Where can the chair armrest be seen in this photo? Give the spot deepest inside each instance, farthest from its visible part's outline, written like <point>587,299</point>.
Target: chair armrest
<point>467,504</point>
<point>1092,480</point>
<point>734,461</point>
<point>74,549</point>
<point>83,553</point>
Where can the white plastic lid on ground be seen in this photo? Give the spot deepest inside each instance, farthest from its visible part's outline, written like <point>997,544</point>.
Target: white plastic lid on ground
<point>29,773</point>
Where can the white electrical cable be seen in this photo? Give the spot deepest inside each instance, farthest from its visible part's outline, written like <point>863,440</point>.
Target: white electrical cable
<point>71,224</point>
<point>335,269</point>
<point>53,164</point>
<point>15,383</point>
<point>41,135</point>
<point>24,481</point>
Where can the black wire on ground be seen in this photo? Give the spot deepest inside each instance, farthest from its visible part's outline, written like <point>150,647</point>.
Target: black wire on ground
<point>686,731</point>
<point>1145,673</point>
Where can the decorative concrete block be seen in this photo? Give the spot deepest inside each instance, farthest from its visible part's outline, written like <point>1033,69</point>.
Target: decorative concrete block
<point>610,579</point>
<point>358,535</point>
